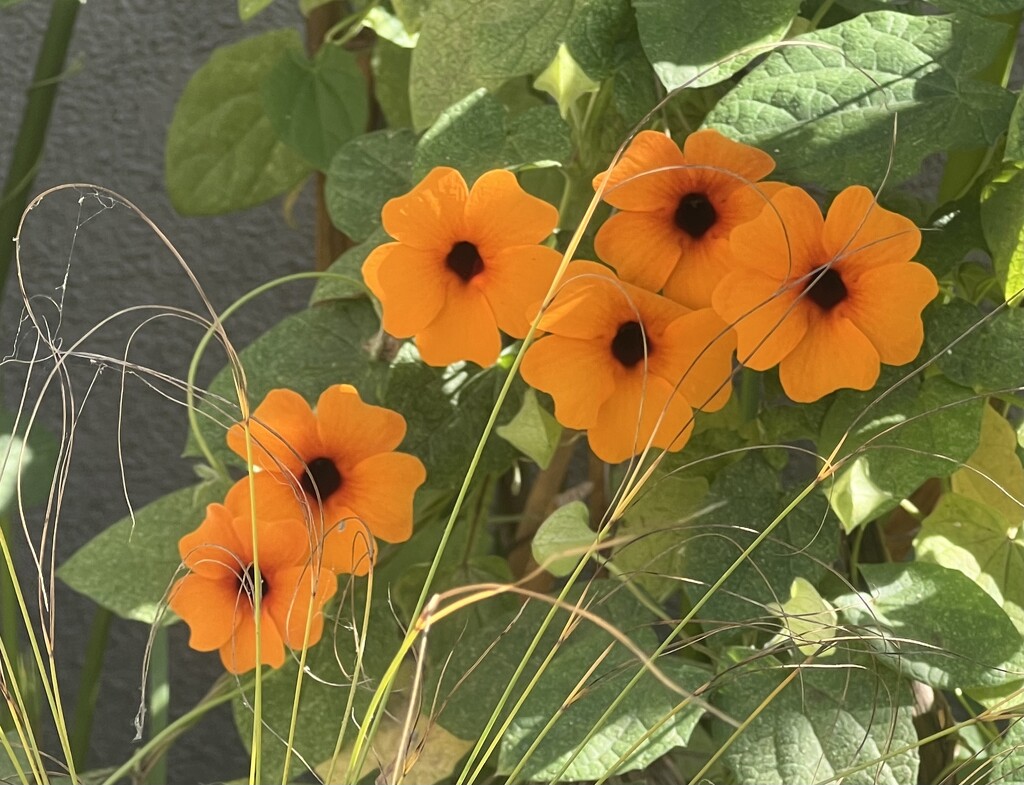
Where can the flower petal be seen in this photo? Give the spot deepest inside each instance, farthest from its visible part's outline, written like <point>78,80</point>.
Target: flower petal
<point>214,550</point>
<point>499,214</point>
<point>277,497</point>
<point>352,430</point>
<point>643,247</point>
<point>209,609</point>
<point>465,329</point>
<point>590,303</point>
<point>283,434</point>
<point>576,373</point>
<point>768,323</point>
<point>516,279</point>
<point>784,241</point>
<point>298,592</point>
<point>696,351</point>
<point>348,546</point>
<point>616,435</point>
<point>701,268</point>
<point>410,283</point>
<point>239,653</point>
<point>861,234</point>
<point>832,355</point>
<point>380,491</point>
<point>649,176</point>
<point>886,303</point>
<point>283,543</point>
<point>739,162</point>
<point>430,216</point>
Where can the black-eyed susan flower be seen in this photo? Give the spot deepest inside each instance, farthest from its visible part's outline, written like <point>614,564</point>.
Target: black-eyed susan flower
<point>676,210</point>
<point>828,300</point>
<point>627,365</point>
<point>466,264</point>
<point>339,461</point>
<point>216,598</point>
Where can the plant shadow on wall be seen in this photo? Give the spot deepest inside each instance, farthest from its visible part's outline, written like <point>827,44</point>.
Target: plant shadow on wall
<point>605,452</point>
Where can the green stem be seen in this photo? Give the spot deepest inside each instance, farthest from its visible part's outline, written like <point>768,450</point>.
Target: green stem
<point>89,691</point>
<point>823,9</point>
<point>159,699</point>
<point>8,599</point>
<point>750,394</point>
<point>28,148</point>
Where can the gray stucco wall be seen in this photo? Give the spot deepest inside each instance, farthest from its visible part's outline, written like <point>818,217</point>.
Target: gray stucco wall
<point>128,63</point>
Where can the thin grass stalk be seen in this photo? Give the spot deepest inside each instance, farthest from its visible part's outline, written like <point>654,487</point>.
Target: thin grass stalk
<point>257,597</point>
<point>159,699</point>
<point>8,599</point>
<point>89,689</point>
<point>13,758</point>
<point>16,707</point>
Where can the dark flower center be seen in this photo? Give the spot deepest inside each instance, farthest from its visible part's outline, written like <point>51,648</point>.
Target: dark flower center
<point>628,344</point>
<point>321,478</point>
<point>695,214</point>
<point>826,288</point>
<point>248,584</point>
<point>464,260</point>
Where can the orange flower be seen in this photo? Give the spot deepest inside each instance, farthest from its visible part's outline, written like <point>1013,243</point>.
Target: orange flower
<point>216,597</point>
<point>828,300</point>
<point>339,462</point>
<point>677,208</point>
<point>466,264</point>
<point>627,364</point>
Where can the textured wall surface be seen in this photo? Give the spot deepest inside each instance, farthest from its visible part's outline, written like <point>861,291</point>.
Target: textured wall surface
<point>128,62</point>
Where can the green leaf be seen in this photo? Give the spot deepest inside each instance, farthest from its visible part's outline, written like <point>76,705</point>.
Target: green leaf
<point>988,358</point>
<point>935,625</point>
<point>746,497</point>
<point>952,232</point>
<point>477,134</point>
<point>247,9</point>
<point>1007,755</point>
<point>389,27</point>
<point>993,475</point>
<point>306,352</point>
<point>222,152</point>
<point>685,38</point>
<point>565,531</point>
<point>929,428</point>
<point>344,280</point>
<point>967,535</point>
<point>498,40</point>
<point>482,664</point>
<point>808,619</point>
<point>827,122</point>
<point>533,431</point>
<point>825,721</point>
<point>363,175</point>
<point>446,411</point>
<point>316,106</point>
<point>981,7</point>
<point>390,64</point>
<point>653,533</point>
<point>1002,220</point>
<point>565,81</point>
<point>129,567</point>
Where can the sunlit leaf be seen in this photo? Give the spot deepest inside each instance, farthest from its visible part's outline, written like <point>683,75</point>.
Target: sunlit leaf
<point>808,619</point>
<point>534,431</point>
<point>562,538</point>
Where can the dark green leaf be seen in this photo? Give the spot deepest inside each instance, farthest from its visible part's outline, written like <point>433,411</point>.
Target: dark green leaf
<point>498,40</point>
<point>390,65</point>
<point>345,276</point>
<point>307,352</point>
<point>488,656</point>
<point>683,39</point>
<point>825,721</point>
<point>936,625</point>
<point>222,152</point>
<point>929,427</point>
<point>826,121</point>
<point>316,106</point>
<point>748,498</point>
<point>364,174</point>
<point>129,567</point>
<point>953,231</point>
<point>477,134</point>
<point>988,358</point>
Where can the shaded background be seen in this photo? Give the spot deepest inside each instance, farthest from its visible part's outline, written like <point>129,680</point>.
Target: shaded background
<point>127,64</point>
